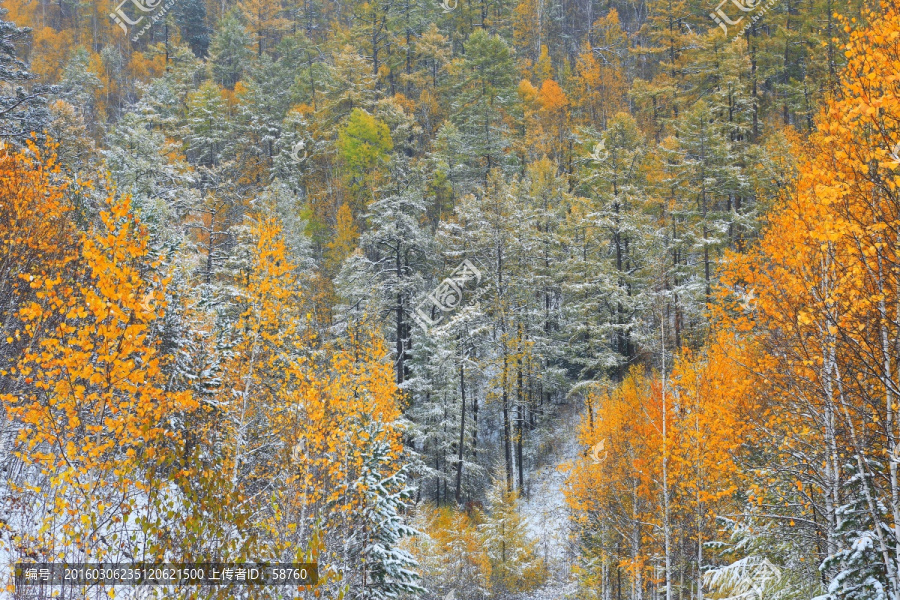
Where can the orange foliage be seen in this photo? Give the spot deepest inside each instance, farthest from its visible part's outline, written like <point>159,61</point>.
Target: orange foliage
<point>600,87</point>
<point>620,479</point>
<point>37,238</point>
<point>819,296</point>
<point>547,119</point>
<point>92,403</point>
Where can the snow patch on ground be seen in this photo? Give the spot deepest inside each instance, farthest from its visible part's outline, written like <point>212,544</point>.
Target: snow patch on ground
<point>546,513</point>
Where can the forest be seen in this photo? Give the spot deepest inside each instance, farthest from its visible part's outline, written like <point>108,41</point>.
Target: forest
<point>458,299</point>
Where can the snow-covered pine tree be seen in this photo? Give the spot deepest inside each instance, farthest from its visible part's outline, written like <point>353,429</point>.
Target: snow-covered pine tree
<point>487,231</point>
<point>76,150</point>
<point>229,52</point>
<point>484,96</point>
<point>280,199</point>
<point>444,391</point>
<point>265,102</point>
<point>610,235</point>
<point>79,85</point>
<point>208,140</point>
<point>167,96</point>
<point>386,570</point>
<point>541,369</point>
<point>448,171</point>
<point>23,106</point>
<point>857,570</point>
<point>144,164</point>
<point>191,18</point>
<point>704,174</point>
<point>397,252</point>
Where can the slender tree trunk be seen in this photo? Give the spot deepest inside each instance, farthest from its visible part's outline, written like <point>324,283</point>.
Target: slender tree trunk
<point>507,449</point>
<point>667,525</point>
<point>375,44</point>
<point>520,429</point>
<point>618,582</point>
<point>637,582</point>
<point>475,427</point>
<point>312,81</point>
<point>399,343</point>
<point>462,432</point>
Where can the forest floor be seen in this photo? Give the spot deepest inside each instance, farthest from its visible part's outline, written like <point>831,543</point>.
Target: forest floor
<point>545,509</point>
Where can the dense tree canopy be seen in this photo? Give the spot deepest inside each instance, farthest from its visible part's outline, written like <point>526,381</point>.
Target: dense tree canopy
<point>355,282</point>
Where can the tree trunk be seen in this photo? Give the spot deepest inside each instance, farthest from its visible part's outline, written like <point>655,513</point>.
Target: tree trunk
<point>507,448</point>
<point>520,429</point>
<point>462,432</point>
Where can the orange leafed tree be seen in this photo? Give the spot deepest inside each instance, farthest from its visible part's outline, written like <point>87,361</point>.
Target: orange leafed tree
<point>599,87</point>
<point>37,239</point>
<point>617,490</point>
<point>290,425</point>
<point>92,411</point>
<point>820,295</point>
<point>713,397</point>
<point>611,522</point>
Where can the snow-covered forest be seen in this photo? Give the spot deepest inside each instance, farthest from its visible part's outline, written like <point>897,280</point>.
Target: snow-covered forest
<point>471,299</point>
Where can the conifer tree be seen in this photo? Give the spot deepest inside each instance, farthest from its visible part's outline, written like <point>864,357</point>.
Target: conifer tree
<point>25,111</point>
<point>386,570</point>
<point>192,20</point>
<point>229,51</point>
<point>611,232</point>
<point>208,140</point>
<point>483,100</point>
